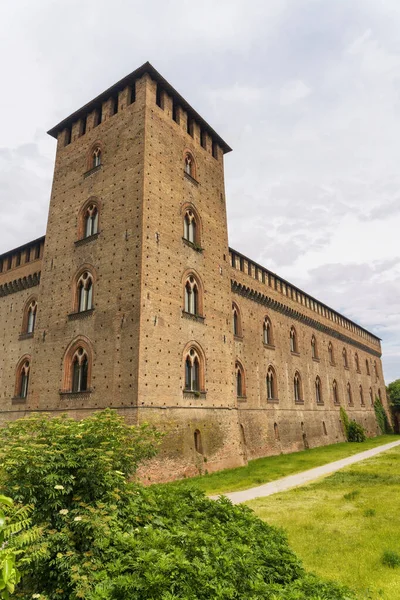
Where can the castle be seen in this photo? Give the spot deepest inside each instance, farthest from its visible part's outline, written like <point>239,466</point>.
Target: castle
<point>134,300</point>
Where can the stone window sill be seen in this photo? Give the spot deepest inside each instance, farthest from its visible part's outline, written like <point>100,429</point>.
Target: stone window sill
<point>80,315</point>
<point>88,239</point>
<point>26,336</point>
<point>84,394</point>
<point>333,364</point>
<point>320,403</point>
<point>316,359</point>
<point>293,353</point>
<point>273,400</point>
<point>347,368</point>
<point>188,315</point>
<point>238,338</point>
<point>91,171</point>
<point>336,404</point>
<point>18,400</point>
<point>194,394</point>
<point>299,401</point>
<point>358,371</point>
<point>242,398</point>
<point>190,178</point>
<point>269,346</point>
<point>192,245</point>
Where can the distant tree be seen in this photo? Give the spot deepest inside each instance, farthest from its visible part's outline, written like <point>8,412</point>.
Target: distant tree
<point>393,390</point>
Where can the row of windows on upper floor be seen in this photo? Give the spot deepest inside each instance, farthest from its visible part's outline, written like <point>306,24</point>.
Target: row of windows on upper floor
<point>113,106</point>
<point>19,258</point>
<point>245,265</point>
<point>268,339</point>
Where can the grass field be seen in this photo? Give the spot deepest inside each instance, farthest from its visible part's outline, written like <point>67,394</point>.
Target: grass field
<point>341,526</point>
<point>270,468</point>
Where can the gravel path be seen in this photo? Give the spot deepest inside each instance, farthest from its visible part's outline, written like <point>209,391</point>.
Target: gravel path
<point>286,483</point>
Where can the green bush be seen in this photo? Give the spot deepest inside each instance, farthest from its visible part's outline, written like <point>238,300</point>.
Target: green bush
<point>105,538</point>
<point>390,558</point>
<point>345,420</point>
<point>355,432</point>
<point>381,417</point>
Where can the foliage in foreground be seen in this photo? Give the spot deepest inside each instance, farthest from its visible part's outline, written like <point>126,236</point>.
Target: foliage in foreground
<point>103,538</point>
<point>354,431</point>
<point>381,417</point>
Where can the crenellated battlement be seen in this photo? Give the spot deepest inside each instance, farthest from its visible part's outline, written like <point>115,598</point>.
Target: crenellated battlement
<point>14,263</point>
<point>116,98</point>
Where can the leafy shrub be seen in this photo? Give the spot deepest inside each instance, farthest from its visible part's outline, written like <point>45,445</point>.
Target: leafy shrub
<point>345,420</point>
<point>355,432</point>
<point>381,417</point>
<point>369,512</point>
<point>390,558</point>
<point>105,538</point>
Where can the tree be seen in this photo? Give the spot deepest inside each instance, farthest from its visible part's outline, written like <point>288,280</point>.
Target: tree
<point>393,390</point>
<point>104,537</point>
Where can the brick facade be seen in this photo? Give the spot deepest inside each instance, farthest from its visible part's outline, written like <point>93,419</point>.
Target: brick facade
<point>143,339</point>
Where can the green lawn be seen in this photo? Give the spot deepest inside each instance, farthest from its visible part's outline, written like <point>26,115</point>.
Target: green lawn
<point>341,526</point>
<point>267,469</point>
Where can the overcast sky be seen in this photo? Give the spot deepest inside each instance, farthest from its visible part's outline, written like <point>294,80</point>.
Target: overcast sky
<point>307,92</point>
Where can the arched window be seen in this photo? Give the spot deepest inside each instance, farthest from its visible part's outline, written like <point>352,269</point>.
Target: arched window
<point>376,371</point>
<point>190,227</point>
<point>293,340</point>
<point>276,431</point>
<point>80,367</point>
<point>77,367</point>
<point>335,392</point>
<point>367,366</point>
<point>330,353</point>
<point>96,157</point>
<point>361,396</point>
<point>194,370</point>
<point>237,321</point>
<point>298,396</point>
<point>29,317</point>
<point>22,379</point>
<point>192,296</point>
<point>198,446</point>
<point>84,292</point>
<point>349,396</point>
<point>91,220</point>
<point>240,381</point>
<point>357,362</point>
<point>271,384</point>
<point>371,396</point>
<point>345,363</point>
<point>318,392</point>
<point>314,349</point>
<point>267,332</point>
<point>190,165</point>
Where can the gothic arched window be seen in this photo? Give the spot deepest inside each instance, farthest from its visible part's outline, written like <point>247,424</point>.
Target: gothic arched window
<point>293,340</point>
<point>29,317</point>
<point>298,396</point>
<point>96,157</point>
<point>314,349</point>
<point>237,321</point>
<point>318,391</point>
<point>344,354</point>
<point>361,396</point>
<point>335,392</point>
<point>192,296</point>
<point>267,332</point>
<point>371,396</point>
<point>367,366</point>
<point>357,362</point>
<point>271,384</point>
<point>194,371</point>
<point>91,220</point>
<point>80,369</point>
<point>190,165</point>
<point>349,396</point>
<point>240,380</point>
<point>330,353</point>
<point>22,378</point>
<point>84,292</point>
